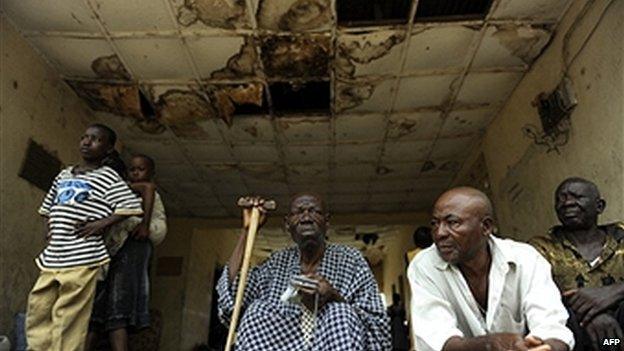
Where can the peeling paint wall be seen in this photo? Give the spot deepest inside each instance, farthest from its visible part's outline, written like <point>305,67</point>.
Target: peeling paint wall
<point>35,104</point>
<point>523,174</point>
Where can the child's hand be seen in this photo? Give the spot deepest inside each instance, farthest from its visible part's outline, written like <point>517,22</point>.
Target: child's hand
<point>87,229</point>
<point>141,231</point>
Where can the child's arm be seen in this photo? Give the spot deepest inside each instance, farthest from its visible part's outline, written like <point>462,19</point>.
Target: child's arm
<point>147,191</point>
<point>86,229</point>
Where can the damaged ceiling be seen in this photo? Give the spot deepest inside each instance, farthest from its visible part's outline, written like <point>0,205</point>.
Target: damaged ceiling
<point>373,104</point>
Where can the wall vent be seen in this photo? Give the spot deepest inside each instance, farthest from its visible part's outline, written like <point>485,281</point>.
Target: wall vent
<point>39,167</point>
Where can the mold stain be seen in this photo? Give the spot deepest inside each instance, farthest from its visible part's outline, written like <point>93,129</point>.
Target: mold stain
<point>251,130</point>
<point>524,42</point>
<point>229,14</point>
<point>179,107</point>
<point>241,64</point>
<point>118,99</point>
<point>363,50</point>
<point>228,98</point>
<point>294,15</point>
<point>402,127</point>
<point>351,96</point>
<point>296,56</point>
<point>110,67</point>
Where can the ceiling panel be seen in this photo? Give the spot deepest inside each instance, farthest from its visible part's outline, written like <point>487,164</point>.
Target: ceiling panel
<point>137,15</point>
<point>155,58</point>
<point>437,48</point>
<point>414,125</point>
<point>274,97</point>
<point>70,16</point>
<point>426,91</point>
<point>511,45</point>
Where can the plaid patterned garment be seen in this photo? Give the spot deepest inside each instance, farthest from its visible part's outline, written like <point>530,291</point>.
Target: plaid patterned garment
<point>269,324</point>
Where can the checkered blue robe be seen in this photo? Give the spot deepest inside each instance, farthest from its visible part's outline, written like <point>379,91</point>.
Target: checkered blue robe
<point>269,324</point>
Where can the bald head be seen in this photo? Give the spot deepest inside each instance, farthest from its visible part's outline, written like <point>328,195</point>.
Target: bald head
<point>473,198</point>
<point>309,194</point>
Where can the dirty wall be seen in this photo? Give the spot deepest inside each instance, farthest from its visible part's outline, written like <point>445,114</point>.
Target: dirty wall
<point>524,168</point>
<point>35,104</point>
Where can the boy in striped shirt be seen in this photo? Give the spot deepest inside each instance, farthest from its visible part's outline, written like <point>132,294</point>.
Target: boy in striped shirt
<point>82,203</point>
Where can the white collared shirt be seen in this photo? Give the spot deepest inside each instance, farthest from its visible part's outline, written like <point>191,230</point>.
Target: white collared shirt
<point>522,298</point>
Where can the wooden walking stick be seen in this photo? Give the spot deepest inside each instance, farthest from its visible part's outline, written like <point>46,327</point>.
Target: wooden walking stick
<point>242,280</point>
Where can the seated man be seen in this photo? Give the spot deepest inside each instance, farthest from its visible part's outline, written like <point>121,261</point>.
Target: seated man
<point>588,263</point>
<point>344,312</point>
<point>474,291</point>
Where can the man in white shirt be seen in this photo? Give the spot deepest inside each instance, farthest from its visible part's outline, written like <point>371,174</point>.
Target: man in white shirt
<point>473,291</point>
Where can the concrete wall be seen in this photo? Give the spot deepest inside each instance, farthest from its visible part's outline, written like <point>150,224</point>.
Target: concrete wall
<point>524,175</point>
<point>34,103</point>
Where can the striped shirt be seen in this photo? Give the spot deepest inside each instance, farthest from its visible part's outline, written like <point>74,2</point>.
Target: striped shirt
<point>76,198</point>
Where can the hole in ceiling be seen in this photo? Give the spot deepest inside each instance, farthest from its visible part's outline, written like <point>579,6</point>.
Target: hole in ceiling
<point>300,97</point>
<point>355,13</point>
<point>451,10</point>
<point>146,107</point>
<point>249,109</point>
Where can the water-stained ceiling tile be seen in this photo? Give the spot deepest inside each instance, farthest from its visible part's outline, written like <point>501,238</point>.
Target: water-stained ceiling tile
<point>425,91</point>
<point>250,128</point>
<point>368,127</point>
<point>511,45</point>
<point>71,16</point>
<point>294,15</point>
<point>256,153</point>
<point>119,99</point>
<point>182,108</point>
<point>530,9</point>
<point>241,64</point>
<point>212,55</point>
<point>435,48</point>
<point>237,99</point>
<point>466,122</point>
<point>200,130</point>
<point>229,14</point>
<point>414,125</point>
<point>296,56</point>
<point>409,151</point>
<point>452,148</point>
<point>350,187</point>
<point>74,57</point>
<point>202,152</point>
<point>302,129</point>
<point>370,53</point>
<point>405,184</point>
<point>488,88</point>
<point>137,15</point>
<point>307,153</point>
<point>348,198</point>
<point>155,58</point>
<point>443,168</point>
<point>363,97</point>
<point>357,153</point>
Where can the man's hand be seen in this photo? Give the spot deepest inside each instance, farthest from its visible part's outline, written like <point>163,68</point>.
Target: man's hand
<point>602,327</point>
<point>257,202</point>
<point>141,231</point>
<point>589,302</point>
<point>87,229</point>
<point>326,293</point>
<point>497,342</point>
